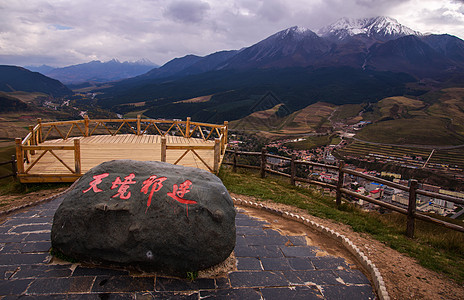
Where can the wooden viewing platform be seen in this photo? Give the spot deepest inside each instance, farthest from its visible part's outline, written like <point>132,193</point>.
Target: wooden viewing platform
<point>63,151</point>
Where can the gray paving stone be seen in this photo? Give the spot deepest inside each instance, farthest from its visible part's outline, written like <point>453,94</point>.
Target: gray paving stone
<point>31,228</point>
<point>297,240</point>
<point>23,259</point>
<point>14,287</point>
<point>43,271</point>
<point>37,237</point>
<point>12,238</point>
<point>95,271</point>
<point>312,277</point>
<point>7,271</point>
<point>353,292</point>
<point>248,294</point>
<point>246,230</point>
<point>265,240</point>
<point>248,263</point>
<point>300,263</point>
<point>120,284</point>
<point>222,282</point>
<point>61,285</point>
<point>250,222</point>
<point>267,251</point>
<point>257,279</point>
<point>102,296</point>
<point>36,247</point>
<point>329,262</point>
<point>174,284</point>
<point>299,251</point>
<point>27,221</point>
<point>275,264</point>
<point>12,248</point>
<point>352,276</point>
<point>297,292</point>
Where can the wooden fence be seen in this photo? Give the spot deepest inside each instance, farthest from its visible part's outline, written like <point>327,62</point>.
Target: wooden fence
<point>341,191</point>
<point>43,131</point>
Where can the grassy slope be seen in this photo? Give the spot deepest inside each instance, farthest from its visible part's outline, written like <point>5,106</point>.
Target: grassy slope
<point>436,248</point>
<point>401,120</point>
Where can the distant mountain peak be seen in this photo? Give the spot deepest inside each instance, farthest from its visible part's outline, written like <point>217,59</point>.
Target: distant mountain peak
<point>384,28</point>
<point>295,32</point>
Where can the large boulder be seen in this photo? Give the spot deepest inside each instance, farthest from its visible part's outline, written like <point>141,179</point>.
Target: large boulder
<point>151,215</point>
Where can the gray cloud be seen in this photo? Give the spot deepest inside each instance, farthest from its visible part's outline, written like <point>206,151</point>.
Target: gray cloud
<point>187,11</point>
<point>69,32</point>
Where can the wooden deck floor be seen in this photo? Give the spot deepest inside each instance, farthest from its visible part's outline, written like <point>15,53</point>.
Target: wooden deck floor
<point>100,148</point>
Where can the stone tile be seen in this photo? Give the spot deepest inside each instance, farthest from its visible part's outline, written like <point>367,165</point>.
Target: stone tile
<point>165,295</point>
<point>265,240</point>
<point>329,262</point>
<point>23,259</point>
<point>27,221</point>
<point>249,222</point>
<point>12,248</point>
<point>248,263</point>
<point>297,240</point>
<point>248,294</point>
<point>275,264</point>
<point>267,251</point>
<point>175,284</point>
<point>36,247</point>
<point>89,271</point>
<point>43,271</point>
<point>352,276</point>
<point>14,287</point>
<point>31,228</point>
<point>222,282</point>
<point>299,251</point>
<point>61,285</point>
<point>7,271</point>
<point>37,297</point>
<point>315,277</point>
<point>12,238</point>
<point>271,232</point>
<point>244,251</point>
<point>246,230</point>
<point>4,229</point>
<point>257,279</point>
<point>38,237</point>
<point>297,292</point>
<point>300,263</point>
<point>240,241</point>
<point>353,292</point>
<point>121,284</point>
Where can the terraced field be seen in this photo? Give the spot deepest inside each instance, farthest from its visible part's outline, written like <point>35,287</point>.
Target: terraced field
<point>441,159</point>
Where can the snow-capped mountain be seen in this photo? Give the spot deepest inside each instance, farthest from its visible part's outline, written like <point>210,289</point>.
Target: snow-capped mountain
<point>380,28</point>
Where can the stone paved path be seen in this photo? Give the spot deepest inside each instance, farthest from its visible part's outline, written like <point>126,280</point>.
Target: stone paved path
<point>269,266</point>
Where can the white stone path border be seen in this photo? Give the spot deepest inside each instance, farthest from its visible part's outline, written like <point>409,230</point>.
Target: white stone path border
<point>379,284</point>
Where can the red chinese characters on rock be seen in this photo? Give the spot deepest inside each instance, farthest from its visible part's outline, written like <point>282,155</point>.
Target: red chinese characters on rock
<point>97,180</point>
<point>123,186</point>
<point>155,182</point>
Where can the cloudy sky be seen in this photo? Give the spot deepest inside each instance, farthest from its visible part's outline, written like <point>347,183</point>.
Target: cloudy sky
<point>65,32</point>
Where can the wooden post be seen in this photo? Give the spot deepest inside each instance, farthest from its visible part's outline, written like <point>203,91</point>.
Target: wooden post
<point>217,154</point>
<point>234,167</point>
<point>225,137</point>
<point>138,124</point>
<point>263,162</point>
<point>19,156</point>
<point>292,170</point>
<point>163,149</point>
<point>33,140</point>
<point>86,125</point>
<point>187,128</point>
<point>341,178</point>
<point>13,166</point>
<point>39,132</point>
<point>77,157</point>
<point>411,209</point>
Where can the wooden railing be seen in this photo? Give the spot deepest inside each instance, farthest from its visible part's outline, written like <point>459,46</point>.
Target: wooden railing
<point>43,131</point>
<point>341,191</point>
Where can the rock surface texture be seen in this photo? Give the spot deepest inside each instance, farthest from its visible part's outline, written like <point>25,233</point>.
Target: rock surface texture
<point>150,215</point>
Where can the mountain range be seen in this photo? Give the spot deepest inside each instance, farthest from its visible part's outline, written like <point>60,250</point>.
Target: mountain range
<point>350,61</point>
<point>96,71</point>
